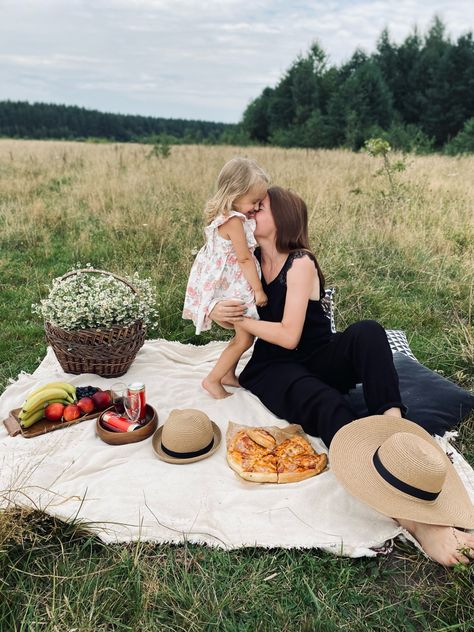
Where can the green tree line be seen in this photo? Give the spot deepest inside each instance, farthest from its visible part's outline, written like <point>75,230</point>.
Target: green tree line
<point>418,95</point>
<point>20,119</point>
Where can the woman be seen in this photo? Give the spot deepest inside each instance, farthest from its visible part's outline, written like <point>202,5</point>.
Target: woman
<point>299,369</point>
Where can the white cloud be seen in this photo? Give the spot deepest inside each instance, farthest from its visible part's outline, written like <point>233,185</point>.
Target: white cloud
<point>187,58</point>
<point>51,61</point>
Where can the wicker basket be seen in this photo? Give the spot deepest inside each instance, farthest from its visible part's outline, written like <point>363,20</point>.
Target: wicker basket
<point>106,352</point>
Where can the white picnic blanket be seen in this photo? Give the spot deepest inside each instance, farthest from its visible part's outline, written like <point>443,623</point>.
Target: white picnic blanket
<point>126,493</point>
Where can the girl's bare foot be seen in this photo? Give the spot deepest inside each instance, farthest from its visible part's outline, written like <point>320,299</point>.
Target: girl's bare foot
<point>446,545</point>
<point>215,389</point>
<point>230,379</point>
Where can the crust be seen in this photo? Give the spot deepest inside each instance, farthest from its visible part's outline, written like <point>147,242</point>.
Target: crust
<point>235,465</point>
<point>260,477</point>
<point>322,462</point>
<point>262,437</point>
<point>294,477</point>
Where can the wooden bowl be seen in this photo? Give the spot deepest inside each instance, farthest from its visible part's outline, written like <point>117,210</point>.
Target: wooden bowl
<point>120,438</point>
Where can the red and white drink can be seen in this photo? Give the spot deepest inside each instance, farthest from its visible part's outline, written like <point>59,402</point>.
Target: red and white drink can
<point>137,389</point>
<point>117,423</point>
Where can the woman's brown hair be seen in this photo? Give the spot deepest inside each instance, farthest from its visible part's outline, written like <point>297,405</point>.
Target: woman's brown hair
<point>290,215</point>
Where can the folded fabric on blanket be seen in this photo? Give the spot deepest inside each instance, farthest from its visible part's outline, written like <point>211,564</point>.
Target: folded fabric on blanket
<point>125,492</point>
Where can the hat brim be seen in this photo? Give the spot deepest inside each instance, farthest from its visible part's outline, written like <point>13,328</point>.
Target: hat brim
<point>350,457</point>
<point>156,442</point>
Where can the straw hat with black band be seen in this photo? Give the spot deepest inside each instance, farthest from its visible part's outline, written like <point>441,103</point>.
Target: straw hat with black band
<point>188,435</point>
<point>400,470</point>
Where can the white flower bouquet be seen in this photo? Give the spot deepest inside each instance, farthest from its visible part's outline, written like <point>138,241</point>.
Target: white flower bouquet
<point>96,321</point>
<point>80,300</point>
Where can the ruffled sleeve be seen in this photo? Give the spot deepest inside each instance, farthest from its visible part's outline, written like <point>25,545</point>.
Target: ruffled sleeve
<point>249,227</point>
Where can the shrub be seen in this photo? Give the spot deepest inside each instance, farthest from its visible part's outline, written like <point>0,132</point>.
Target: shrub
<point>463,143</point>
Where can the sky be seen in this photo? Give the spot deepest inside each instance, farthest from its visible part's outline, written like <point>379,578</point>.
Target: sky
<point>192,59</point>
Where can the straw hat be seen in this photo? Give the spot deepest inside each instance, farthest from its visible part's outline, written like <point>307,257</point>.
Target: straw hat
<point>187,435</point>
<point>399,469</point>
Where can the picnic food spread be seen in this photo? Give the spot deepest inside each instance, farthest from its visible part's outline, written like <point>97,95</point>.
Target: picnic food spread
<point>256,455</point>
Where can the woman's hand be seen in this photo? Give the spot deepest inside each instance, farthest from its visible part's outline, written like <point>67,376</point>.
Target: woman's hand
<point>227,312</point>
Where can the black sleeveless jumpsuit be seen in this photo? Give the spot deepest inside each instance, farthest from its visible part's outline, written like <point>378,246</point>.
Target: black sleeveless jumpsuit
<point>306,385</point>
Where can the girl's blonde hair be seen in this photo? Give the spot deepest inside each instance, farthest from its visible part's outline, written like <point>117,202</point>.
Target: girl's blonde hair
<point>236,178</point>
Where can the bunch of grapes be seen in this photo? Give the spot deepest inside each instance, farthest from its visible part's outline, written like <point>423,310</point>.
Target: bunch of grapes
<point>86,391</point>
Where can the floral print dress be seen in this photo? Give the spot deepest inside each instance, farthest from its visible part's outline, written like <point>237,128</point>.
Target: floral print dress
<point>216,274</point>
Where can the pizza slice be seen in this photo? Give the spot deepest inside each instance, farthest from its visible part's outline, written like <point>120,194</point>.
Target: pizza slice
<point>250,460</point>
<point>301,466</point>
<point>260,469</point>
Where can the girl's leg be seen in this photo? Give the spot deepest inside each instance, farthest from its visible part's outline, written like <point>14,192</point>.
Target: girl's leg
<point>226,364</point>
<point>446,545</point>
<point>230,378</point>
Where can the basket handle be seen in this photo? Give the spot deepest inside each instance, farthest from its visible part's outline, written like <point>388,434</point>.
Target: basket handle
<point>95,271</point>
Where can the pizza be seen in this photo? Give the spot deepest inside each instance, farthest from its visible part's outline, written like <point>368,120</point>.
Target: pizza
<point>256,456</point>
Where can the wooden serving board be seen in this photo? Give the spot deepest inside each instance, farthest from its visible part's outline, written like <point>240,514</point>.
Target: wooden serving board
<point>12,424</point>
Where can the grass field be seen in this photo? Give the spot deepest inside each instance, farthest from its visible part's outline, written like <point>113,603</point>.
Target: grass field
<point>404,256</point>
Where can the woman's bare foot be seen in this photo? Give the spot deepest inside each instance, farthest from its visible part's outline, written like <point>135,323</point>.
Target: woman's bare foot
<point>230,379</point>
<point>393,412</point>
<point>446,545</point>
<point>215,389</point>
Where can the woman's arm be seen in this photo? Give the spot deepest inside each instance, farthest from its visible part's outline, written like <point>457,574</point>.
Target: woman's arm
<point>300,281</point>
<point>234,230</point>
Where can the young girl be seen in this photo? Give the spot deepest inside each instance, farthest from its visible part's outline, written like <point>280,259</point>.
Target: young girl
<point>226,267</point>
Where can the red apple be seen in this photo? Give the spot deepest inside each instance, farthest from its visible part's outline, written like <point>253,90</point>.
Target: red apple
<point>54,412</point>
<point>102,399</point>
<point>71,412</point>
<point>86,405</point>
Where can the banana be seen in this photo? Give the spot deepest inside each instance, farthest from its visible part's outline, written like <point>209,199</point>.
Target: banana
<point>69,388</point>
<point>26,423</point>
<point>25,415</point>
<point>45,395</point>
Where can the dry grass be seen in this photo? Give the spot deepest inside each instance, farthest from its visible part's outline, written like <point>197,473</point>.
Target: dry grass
<point>404,257</point>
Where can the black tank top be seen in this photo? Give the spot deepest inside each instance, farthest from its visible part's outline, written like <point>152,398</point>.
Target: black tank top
<point>317,325</point>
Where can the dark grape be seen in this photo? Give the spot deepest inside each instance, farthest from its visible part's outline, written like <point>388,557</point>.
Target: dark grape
<point>86,391</point>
